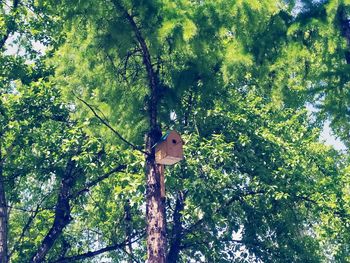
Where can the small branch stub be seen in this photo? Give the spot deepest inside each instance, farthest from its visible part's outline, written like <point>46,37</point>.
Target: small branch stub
<point>169,150</point>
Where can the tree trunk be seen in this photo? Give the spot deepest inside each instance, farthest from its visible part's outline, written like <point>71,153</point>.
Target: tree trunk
<point>128,229</point>
<point>3,214</point>
<point>175,243</point>
<point>3,220</point>
<point>62,214</point>
<point>155,207</point>
<point>155,203</point>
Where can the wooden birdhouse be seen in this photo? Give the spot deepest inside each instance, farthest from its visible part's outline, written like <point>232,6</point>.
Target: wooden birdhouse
<point>169,149</point>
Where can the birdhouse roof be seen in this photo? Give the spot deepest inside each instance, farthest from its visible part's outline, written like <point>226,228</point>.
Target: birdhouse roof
<point>165,137</point>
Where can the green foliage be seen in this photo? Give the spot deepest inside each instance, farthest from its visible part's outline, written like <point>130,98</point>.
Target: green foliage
<point>251,178</point>
<point>234,77</point>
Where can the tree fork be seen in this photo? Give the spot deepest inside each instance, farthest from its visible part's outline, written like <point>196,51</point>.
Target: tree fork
<point>62,214</point>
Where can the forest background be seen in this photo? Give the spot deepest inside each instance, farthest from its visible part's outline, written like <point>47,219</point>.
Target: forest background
<point>94,84</point>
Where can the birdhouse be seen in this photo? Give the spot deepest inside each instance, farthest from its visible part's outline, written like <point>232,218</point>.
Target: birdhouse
<point>169,149</point>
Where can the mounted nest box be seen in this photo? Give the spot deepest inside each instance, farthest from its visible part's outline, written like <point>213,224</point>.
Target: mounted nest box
<point>169,149</point>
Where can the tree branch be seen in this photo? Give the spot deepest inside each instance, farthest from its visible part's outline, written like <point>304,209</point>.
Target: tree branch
<point>91,254</point>
<point>334,211</point>
<point>105,122</point>
<point>99,179</point>
<point>131,256</point>
<point>8,30</point>
<point>28,210</point>
<point>121,68</point>
<point>62,214</point>
<point>155,203</point>
<point>24,230</point>
<point>8,153</point>
<point>227,203</point>
<point>128,228</point>
<point>344,28</point>
<point>152,76</point>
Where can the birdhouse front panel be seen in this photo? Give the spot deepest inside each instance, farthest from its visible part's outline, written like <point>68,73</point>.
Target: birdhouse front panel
<point>170,149</point>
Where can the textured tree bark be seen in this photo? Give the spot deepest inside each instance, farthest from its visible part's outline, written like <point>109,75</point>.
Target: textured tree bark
<point>175,242</point>
<point>62,214</point>
<point>155,204</point>
<point>3,203</point>
<point>155,207</point>
<point>3,215</point>
<point>128,229</point>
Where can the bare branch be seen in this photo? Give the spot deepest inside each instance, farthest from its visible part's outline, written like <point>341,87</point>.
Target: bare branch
<point>106,123</point>
<point>91,254</point>
<point>121,68</point>
<point>29,210</point>
<point>131,255</point>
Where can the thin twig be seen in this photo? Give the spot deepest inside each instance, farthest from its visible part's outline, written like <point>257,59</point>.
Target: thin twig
<point>131,255</point>
<point>29,210</point>
<point>27,226</point>
<point>24,230</point>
